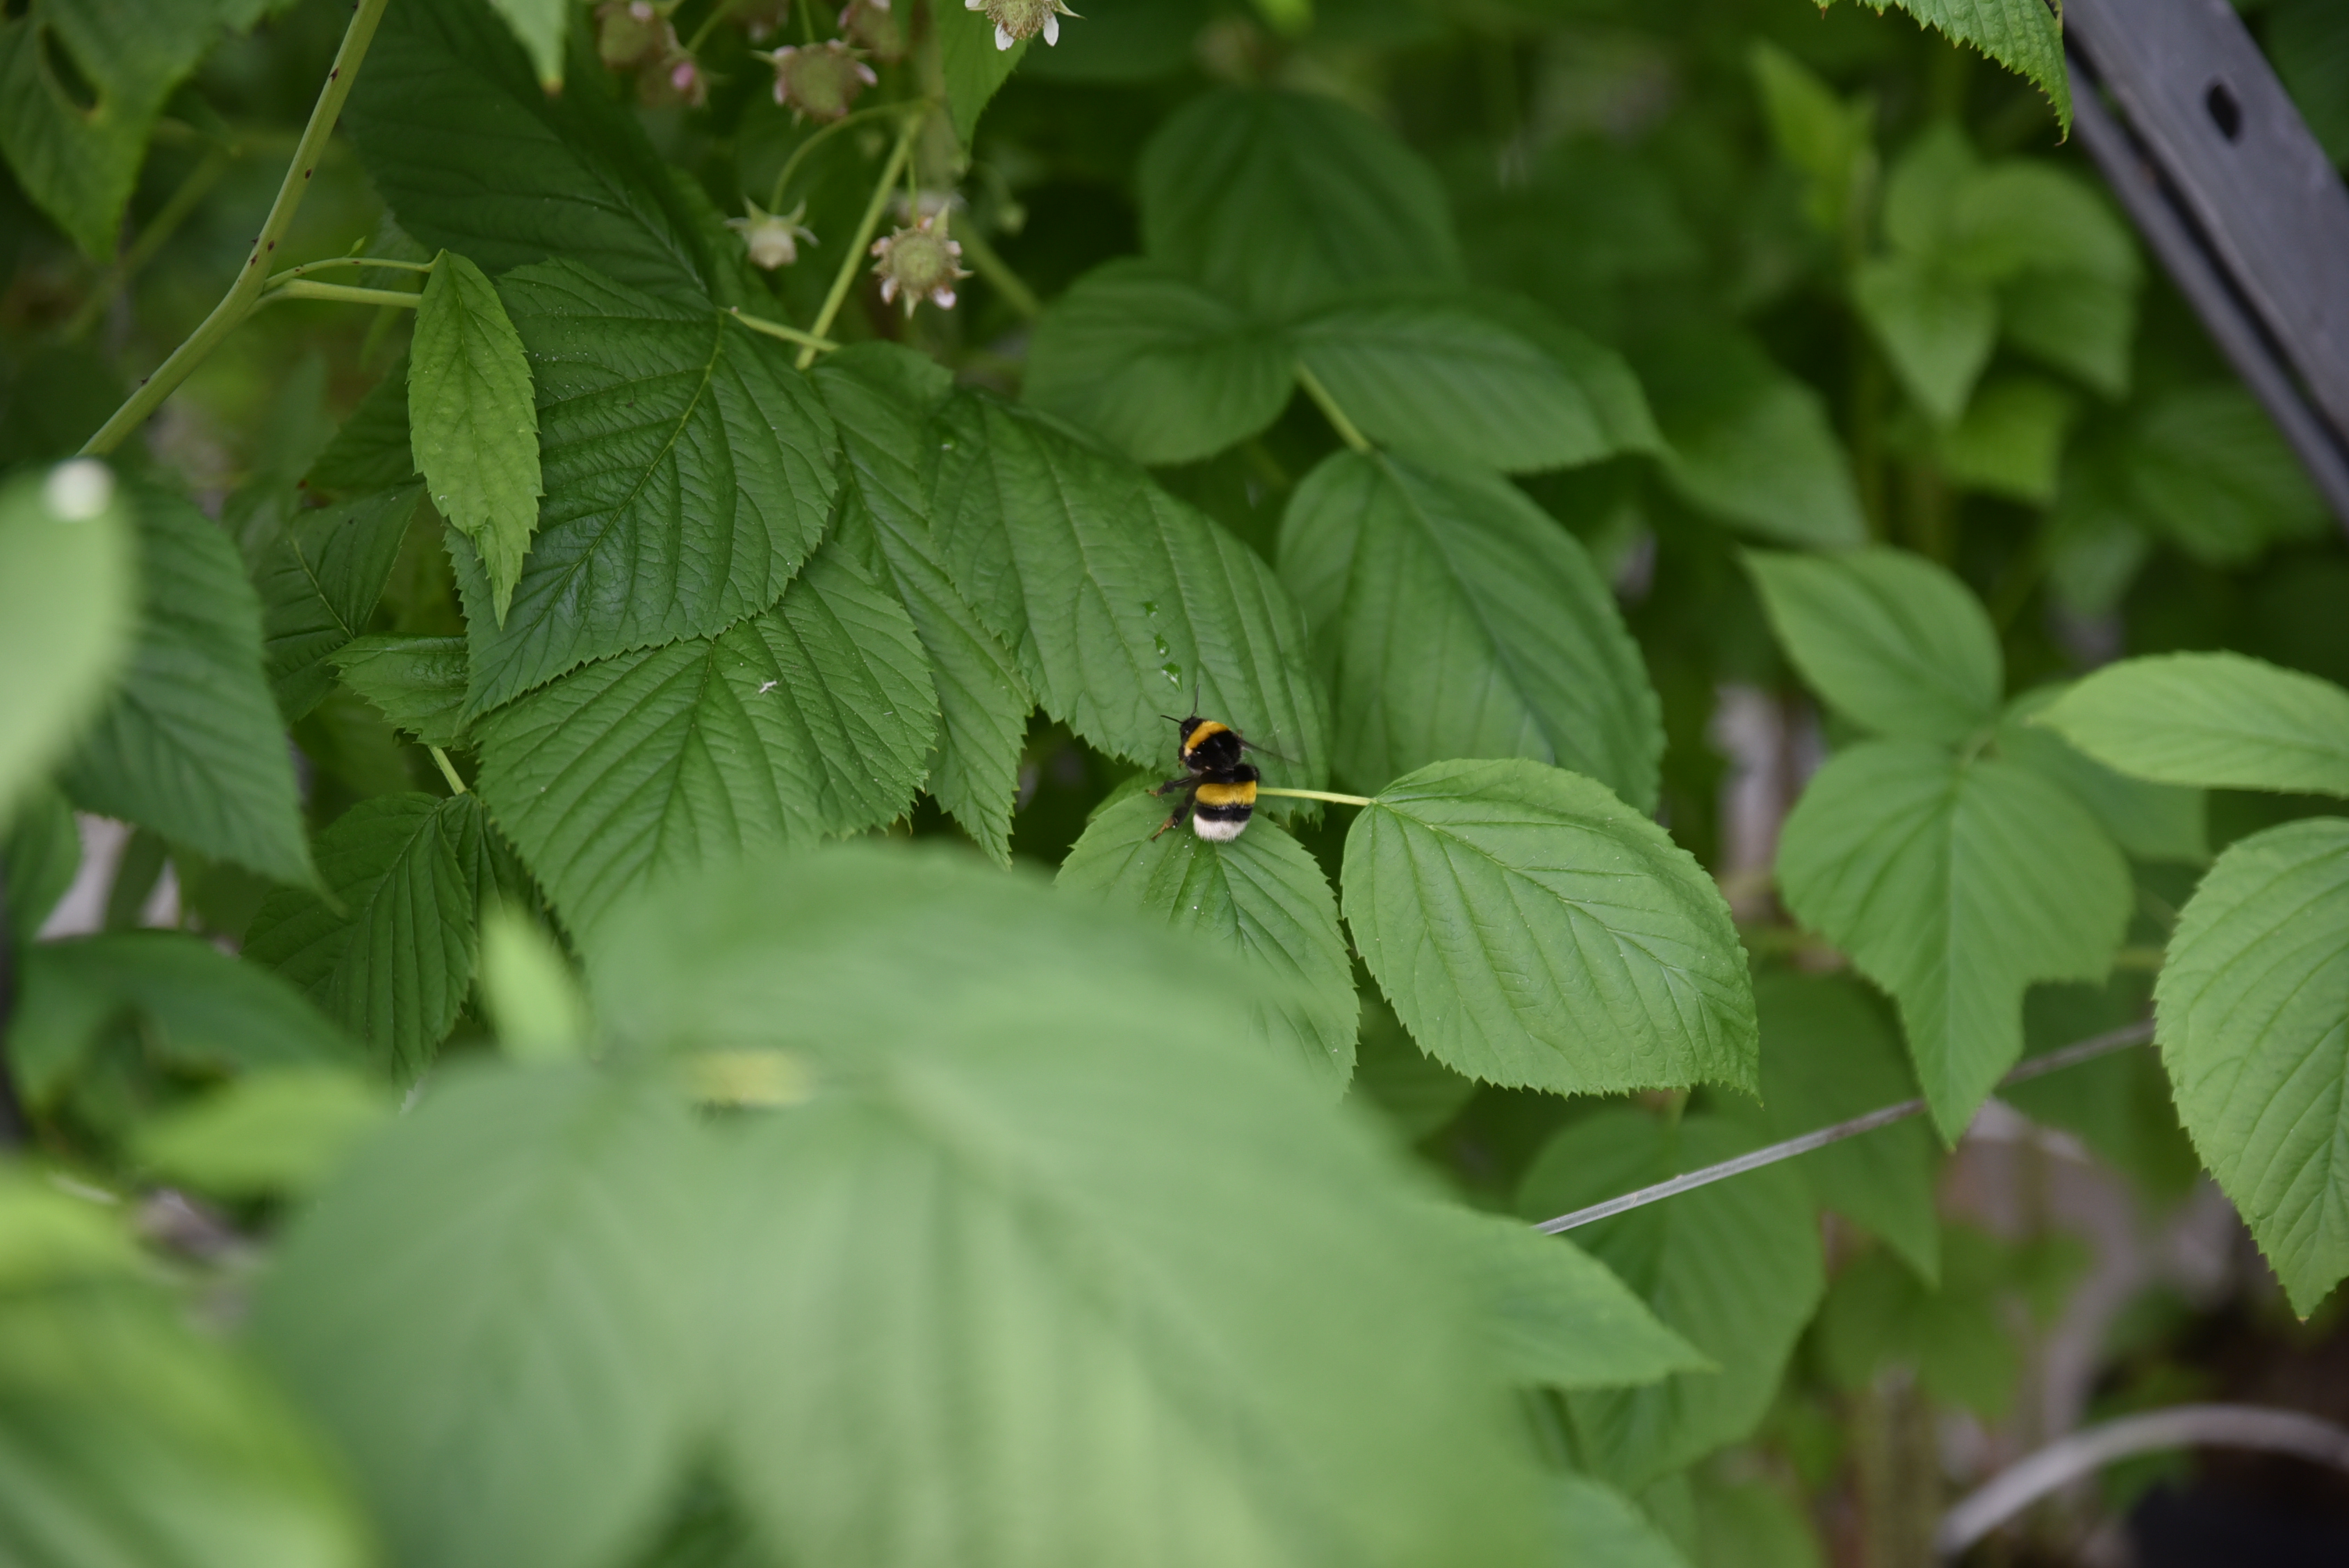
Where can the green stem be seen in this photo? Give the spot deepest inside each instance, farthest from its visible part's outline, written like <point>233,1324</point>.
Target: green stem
<point>850,263</point>
<point>448,768</point>
<point>788,334</point>
<point>161,228</point>
<point>1347,431</point>
<point>716,14</point>
<point>237,304</point>
<point>302,288</point>
<point>1331,796</point>
<point>792,164</point>
<point>1005,282</point>
<point>307,268</point>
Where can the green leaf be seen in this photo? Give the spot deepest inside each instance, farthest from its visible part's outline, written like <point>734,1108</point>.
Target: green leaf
<point>1281,201</point>
<point>67,589</point>
<point>319,585</point>
<point>574,175</point>
<point>198,1010</point>
<point>973,68</point>
<point>127,1436</point>
<point>878,395</point>
<point>2151,821</point>
<point>810,720</point>
<point>40,851</point>
<point>528,989</point>
<point>1953,884</point>
<point>2248,1012</point>
<point>1829,1053</point>
<point>2308,40</point>
<point>530,1231</point>
<point>1022,1280</point>
<point>689,473</point>
<point>1952,1335</point>
<point>471,419</point>
<point>2119,1104</point>
<point>1120,602</point>
<point>1935,324</point>
<point>539,25</point>
<point>391,954</point>
<point>2073,321</point>
<point>2010,442</point>
<point>2008,218</point>
<point>2022,34</point>
<point>1454,618</point>
<point>1734,1268</point>
<point>2217,721</point>
<point>1747,442</point>
<point>189,745</point>
<point>1436,376</point>
<point>418,683</point>
<point>1893,642</point>
<point>1532,930</point>
<point>1156,366</point>
<point>1832,142</point>
<point>268,1134</point>
<point>1752,1524</point>
<point>1599,1524</point>
<point>2207,466</point>
<point>373,449</point>
<point>1261,895</point>
<point>1558,1318</point>
<point>76,141</point>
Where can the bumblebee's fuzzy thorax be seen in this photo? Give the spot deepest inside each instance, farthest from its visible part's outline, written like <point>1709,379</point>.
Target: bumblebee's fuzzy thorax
<point>1210,747</point>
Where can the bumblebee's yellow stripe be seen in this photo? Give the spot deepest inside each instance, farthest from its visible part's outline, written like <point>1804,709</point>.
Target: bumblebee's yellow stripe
<point>1206,728</point>
<point>1227,794</point>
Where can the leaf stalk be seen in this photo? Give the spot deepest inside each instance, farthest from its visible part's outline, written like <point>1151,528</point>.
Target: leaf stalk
<point>1334,799</point>
<point>1348,431</point>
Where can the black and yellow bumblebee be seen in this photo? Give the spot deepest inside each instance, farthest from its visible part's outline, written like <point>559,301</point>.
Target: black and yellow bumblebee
<point>1218,789</point>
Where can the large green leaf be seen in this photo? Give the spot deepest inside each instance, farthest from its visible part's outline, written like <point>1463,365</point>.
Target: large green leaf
<point>1030,1277</point>
<point>319,585</point>
<point>1442,378</point>
<point>2022,34</point>
<point>492,1311</point>
<point>1159,368</point>
<point>74,138</point>
<point>198,1010</point>
<point>40,848</point>
<point>2152,821</point>
<point>191,746</point>
<point>688,472</point>
<point>1558,1318</point>
<point>2251,1013</point>
<point>971,69</point>
<point>1952,1334</point>
<point>2207,468</point>
<point>573,175</point>
<point>878,395</point>
<point>1893,642</point>
<point>1120,601</point>
<point>391,954</point>
<point>2220,721</point>
<point>471,418</point>
<point>1734,1268</point>
<point>1261,895</point>
<point>1829,1053</point>
<point>1457,619</point>
<point>1953,884</point>
<point>539,26</point>
<point>67,593</point>
<point>372,450</point>
<point>810,720</point>
<point>1531,929</point>
<point>1598,1524</point>
<point>128,1436</point>
<point>1281,201</point>
<point>271,1133</point>
<point>418,682</point>
<point>1746,441</point>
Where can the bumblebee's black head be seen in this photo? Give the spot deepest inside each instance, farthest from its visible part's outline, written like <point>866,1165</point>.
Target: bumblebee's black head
<point>1209,746</point>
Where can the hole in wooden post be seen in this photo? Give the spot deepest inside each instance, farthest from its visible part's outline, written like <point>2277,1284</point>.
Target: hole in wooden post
<point>2225,112</point>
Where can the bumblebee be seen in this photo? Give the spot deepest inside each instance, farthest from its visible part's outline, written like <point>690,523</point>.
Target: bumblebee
<point>1218,790</point>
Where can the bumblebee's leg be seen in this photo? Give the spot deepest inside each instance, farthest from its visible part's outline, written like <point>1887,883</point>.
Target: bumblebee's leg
<point>1181,811</point>
<point>1183,783</point>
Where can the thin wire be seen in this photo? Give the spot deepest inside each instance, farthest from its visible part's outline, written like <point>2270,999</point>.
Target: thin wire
<point>2053,1061</point>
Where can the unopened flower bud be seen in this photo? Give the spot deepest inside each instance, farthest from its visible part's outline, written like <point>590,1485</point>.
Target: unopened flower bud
<point>628,33</point>
<point>1017,19</point>
<point>676,79</point>
<point>919,262</point>
<point>875,27</point>
<point>773,238</point>
<point>820,80</point>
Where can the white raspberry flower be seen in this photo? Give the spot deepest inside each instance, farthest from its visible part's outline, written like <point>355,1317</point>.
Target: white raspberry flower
<point>919,262</point>
<point>820,80</point>
<point>773,238</point>
<point>1017,19</point>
